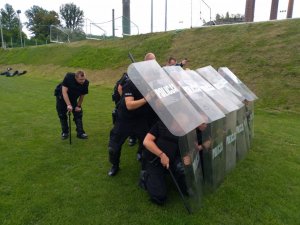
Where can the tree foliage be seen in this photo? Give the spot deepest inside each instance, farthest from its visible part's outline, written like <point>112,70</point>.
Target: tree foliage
<point>72,16</point>
<point>233,18</point>
<point>10,25</point>
<point>40,20</point>
<point>9,18</point>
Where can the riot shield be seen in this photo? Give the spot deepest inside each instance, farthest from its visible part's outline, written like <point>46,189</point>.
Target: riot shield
<point>241,143</point>
<point>245,91</point>
<point>224,101</point>
<point>213,155</point>
<point>225,104</point>
<point>177,113</point>
<point>168,102</point>
<point>230,140</point>
<point>237,84</point>
<point>213,77</point>
<point>250,119</point>
<point>192,169</point>
<point>191,88</point>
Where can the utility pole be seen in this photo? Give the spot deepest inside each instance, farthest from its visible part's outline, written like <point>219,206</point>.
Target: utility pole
<point>20,26</point>
<point>209,10</point>
<point>151,16</point>
<point>166,13</point>
<point>2,40</point>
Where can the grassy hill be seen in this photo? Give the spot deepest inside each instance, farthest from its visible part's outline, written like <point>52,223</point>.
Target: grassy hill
<point>264,55</point>
<point>44,180</point>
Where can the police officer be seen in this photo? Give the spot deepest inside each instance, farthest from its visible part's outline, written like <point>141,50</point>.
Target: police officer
<point>116,97</point>
<point>163,153</point>
<point>69,98</point>
<point>133,119</point>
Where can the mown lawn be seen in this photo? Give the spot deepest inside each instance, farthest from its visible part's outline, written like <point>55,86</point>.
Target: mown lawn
<point>44,180</point>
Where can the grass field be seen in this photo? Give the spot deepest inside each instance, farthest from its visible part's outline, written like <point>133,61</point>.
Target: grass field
<point>44,180</point>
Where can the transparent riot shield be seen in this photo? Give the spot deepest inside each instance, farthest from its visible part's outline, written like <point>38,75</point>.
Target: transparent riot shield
<point>249,96</point>
<point>225,104</point>
<point>191,88</point>
<point>192,168</point>
<point>213,77</point>
<point>250,119</point>
<point>237,84</point>
<point>223,100</point>
<point>241,142</point>
<point>230,140</point>
<point>168,102</point>
<point>213,155</point>
<point>176,112</point>
<point>190,85</point>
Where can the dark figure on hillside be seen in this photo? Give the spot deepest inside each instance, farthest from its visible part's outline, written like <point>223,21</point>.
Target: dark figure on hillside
<point>69,98</point>
<point>11,74</point>
<point>173,62</point>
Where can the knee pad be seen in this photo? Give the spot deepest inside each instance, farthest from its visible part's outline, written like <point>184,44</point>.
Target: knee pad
<point>113,156</point>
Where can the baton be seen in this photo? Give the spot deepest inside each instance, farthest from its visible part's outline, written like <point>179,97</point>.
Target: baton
<point>131,57</point>
<point>180,192</point>
<point>70,136</point>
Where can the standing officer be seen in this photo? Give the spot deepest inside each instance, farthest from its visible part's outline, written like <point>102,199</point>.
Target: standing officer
<point>69,97</point>
<point>133,119</point>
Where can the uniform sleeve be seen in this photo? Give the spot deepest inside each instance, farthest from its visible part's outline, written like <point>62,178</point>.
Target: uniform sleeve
<point>128,89</point>
<point>67,80</point>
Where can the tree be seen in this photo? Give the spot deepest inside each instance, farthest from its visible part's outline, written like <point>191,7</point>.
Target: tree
<point>40,20</point>
<point>72,16</point>
<point>234,18</point>
<point>10,25</point>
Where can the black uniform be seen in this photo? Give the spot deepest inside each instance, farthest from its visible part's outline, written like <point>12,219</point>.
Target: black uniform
<point>155,172</point>
<point>129,122</point>
<point>75,90</point>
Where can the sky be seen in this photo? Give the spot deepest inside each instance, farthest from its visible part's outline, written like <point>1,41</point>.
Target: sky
<point>180,13</point>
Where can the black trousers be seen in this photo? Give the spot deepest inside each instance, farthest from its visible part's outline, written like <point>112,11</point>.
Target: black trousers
<point>156,178</point>
<point>118,135</point>
<point>61,109</point>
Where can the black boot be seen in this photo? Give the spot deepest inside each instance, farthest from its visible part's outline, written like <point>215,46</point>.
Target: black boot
<point>79,128</point>
<point>114,159</point>
<point>114,170</point>
<point>64,128</point>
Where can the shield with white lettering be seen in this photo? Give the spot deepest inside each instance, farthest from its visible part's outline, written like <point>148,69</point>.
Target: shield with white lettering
<point>237,83</point>
<point>213,77</point>
<point>166,99</point>
<point>179,116</point>
<point>213,155</point>
<point>192,169</point>
<point>245,91</point>
<point>211,137</point>
<point>223,103</point>
<point>241,135</point>
<point>189,85</point>
<point>216,80</point>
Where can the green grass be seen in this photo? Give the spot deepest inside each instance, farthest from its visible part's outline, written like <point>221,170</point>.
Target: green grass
<point>44,180</point>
